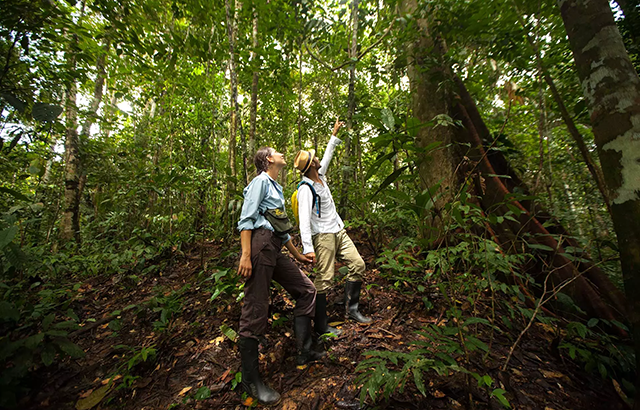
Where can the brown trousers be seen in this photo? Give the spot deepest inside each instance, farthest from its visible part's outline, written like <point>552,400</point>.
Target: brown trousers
<point>268,263</point>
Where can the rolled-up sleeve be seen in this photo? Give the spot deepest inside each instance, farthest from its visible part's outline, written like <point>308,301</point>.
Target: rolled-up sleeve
<point>305,203</point>
<point>251,207</point>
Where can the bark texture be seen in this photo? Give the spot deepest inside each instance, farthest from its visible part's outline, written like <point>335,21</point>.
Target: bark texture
<point>431,99</point>
<point>594,169</point>
<point>254,87</point>
<point>70,223</point>
<point>351,140</point>
<point>592,291</point>
<point>233,122</point>
<point>611,88</point>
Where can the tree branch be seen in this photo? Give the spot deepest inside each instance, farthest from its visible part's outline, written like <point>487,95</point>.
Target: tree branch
<point>358,58</point>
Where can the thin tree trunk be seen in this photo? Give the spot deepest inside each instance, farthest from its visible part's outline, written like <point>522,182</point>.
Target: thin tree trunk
<point>611,88</point>
<point>350,140</point>
<point>233,123</point>
<point>101,73</point>
<point>594,169</point>
<point>254,86</point>
<point>70,223</point>
<point>542,133</point>
<point>299,142</point>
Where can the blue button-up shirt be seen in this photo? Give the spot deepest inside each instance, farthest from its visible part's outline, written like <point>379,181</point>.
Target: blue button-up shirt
<point>262,193</point>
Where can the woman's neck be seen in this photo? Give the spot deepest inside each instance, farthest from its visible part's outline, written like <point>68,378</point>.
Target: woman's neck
<point>273,172</point>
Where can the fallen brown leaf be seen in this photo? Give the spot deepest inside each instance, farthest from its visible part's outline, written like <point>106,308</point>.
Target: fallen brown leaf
<point>184,390</point>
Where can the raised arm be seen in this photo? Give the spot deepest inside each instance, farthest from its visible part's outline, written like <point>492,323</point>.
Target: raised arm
<point>333,143</point>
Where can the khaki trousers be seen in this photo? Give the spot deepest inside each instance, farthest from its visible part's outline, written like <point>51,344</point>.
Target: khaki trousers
<point>269,264</point>
<point>328,247</point>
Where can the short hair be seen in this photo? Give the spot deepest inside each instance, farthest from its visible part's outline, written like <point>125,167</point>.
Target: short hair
<point>260,159</point>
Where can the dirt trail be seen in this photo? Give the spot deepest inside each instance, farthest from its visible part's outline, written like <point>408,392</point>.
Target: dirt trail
<point>191,351</point>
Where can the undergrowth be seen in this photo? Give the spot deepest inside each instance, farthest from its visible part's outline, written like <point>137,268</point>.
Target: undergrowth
<point>485,294</point>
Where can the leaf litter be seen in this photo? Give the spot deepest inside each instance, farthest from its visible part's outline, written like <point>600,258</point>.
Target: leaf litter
<point>196,353</point>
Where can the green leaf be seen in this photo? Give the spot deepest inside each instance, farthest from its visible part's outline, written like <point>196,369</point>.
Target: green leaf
<point>45,112</point>
<point>69,348</point>
<point>592,322</point>
<point>94,398</point>
<point>499,394</point>
<point>376,165</point>
<point>473,320</point>
<point>620,325</point>
<point>228,332</point>
<point>7,235</point>
<point>388,119</point>
<point>473,343</point>
<point>14,101</point>
<point>540,247</point>
<point>32,342</point>
<point>48,354</point>
<point>8,312</point>
<point>417,378</point>
<point>15,194</point>
<point>202,393</point>
<point>389,180</point>
<point>47,321</point>
<point>69,325</point>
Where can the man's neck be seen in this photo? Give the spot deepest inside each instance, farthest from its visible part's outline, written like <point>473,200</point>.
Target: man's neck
<point>314,176</point>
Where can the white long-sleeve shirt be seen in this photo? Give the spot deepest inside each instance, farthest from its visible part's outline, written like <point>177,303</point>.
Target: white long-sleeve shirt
<point>329,221</point>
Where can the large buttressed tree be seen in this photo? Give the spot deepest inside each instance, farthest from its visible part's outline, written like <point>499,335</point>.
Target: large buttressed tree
<point>611,88</point>
<point>497,185</point>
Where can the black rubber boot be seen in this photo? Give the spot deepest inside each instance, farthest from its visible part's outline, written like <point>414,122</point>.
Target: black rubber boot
<point>352,300</point>
<point>302,330</point>
<point>251,381</point>
<point>321,320</point>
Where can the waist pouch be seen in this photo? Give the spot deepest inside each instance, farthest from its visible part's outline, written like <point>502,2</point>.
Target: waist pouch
<point>279,220</point>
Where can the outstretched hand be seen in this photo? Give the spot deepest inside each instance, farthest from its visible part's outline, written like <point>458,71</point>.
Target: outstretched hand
<point>337,126</point>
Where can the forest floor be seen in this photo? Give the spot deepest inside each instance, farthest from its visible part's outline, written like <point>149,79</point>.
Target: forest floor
<point>191,350</point>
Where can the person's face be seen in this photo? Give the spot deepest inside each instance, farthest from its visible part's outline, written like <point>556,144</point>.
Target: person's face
<point>277,158</point>
<point>316,163</point>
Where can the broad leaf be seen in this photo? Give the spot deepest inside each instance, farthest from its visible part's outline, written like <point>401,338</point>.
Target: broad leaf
<point>45,112</point>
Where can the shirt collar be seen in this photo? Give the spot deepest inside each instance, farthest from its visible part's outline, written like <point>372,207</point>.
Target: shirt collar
<point>273,181</point>
<point>308,180</point>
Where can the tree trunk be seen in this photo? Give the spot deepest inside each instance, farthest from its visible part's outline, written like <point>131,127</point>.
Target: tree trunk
<point>593,292</point>
<point>299,142</point>
<point>594,169</point>
<point>101,74</point>
<point>350,142</point>
<point>611,88</point>
<point>233,119</point>
<point>70,223</point>
<point>429,100</point>
<point>254,87</point>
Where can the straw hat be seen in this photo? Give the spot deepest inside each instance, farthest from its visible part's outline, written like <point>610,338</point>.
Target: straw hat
<point>303,160</point>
